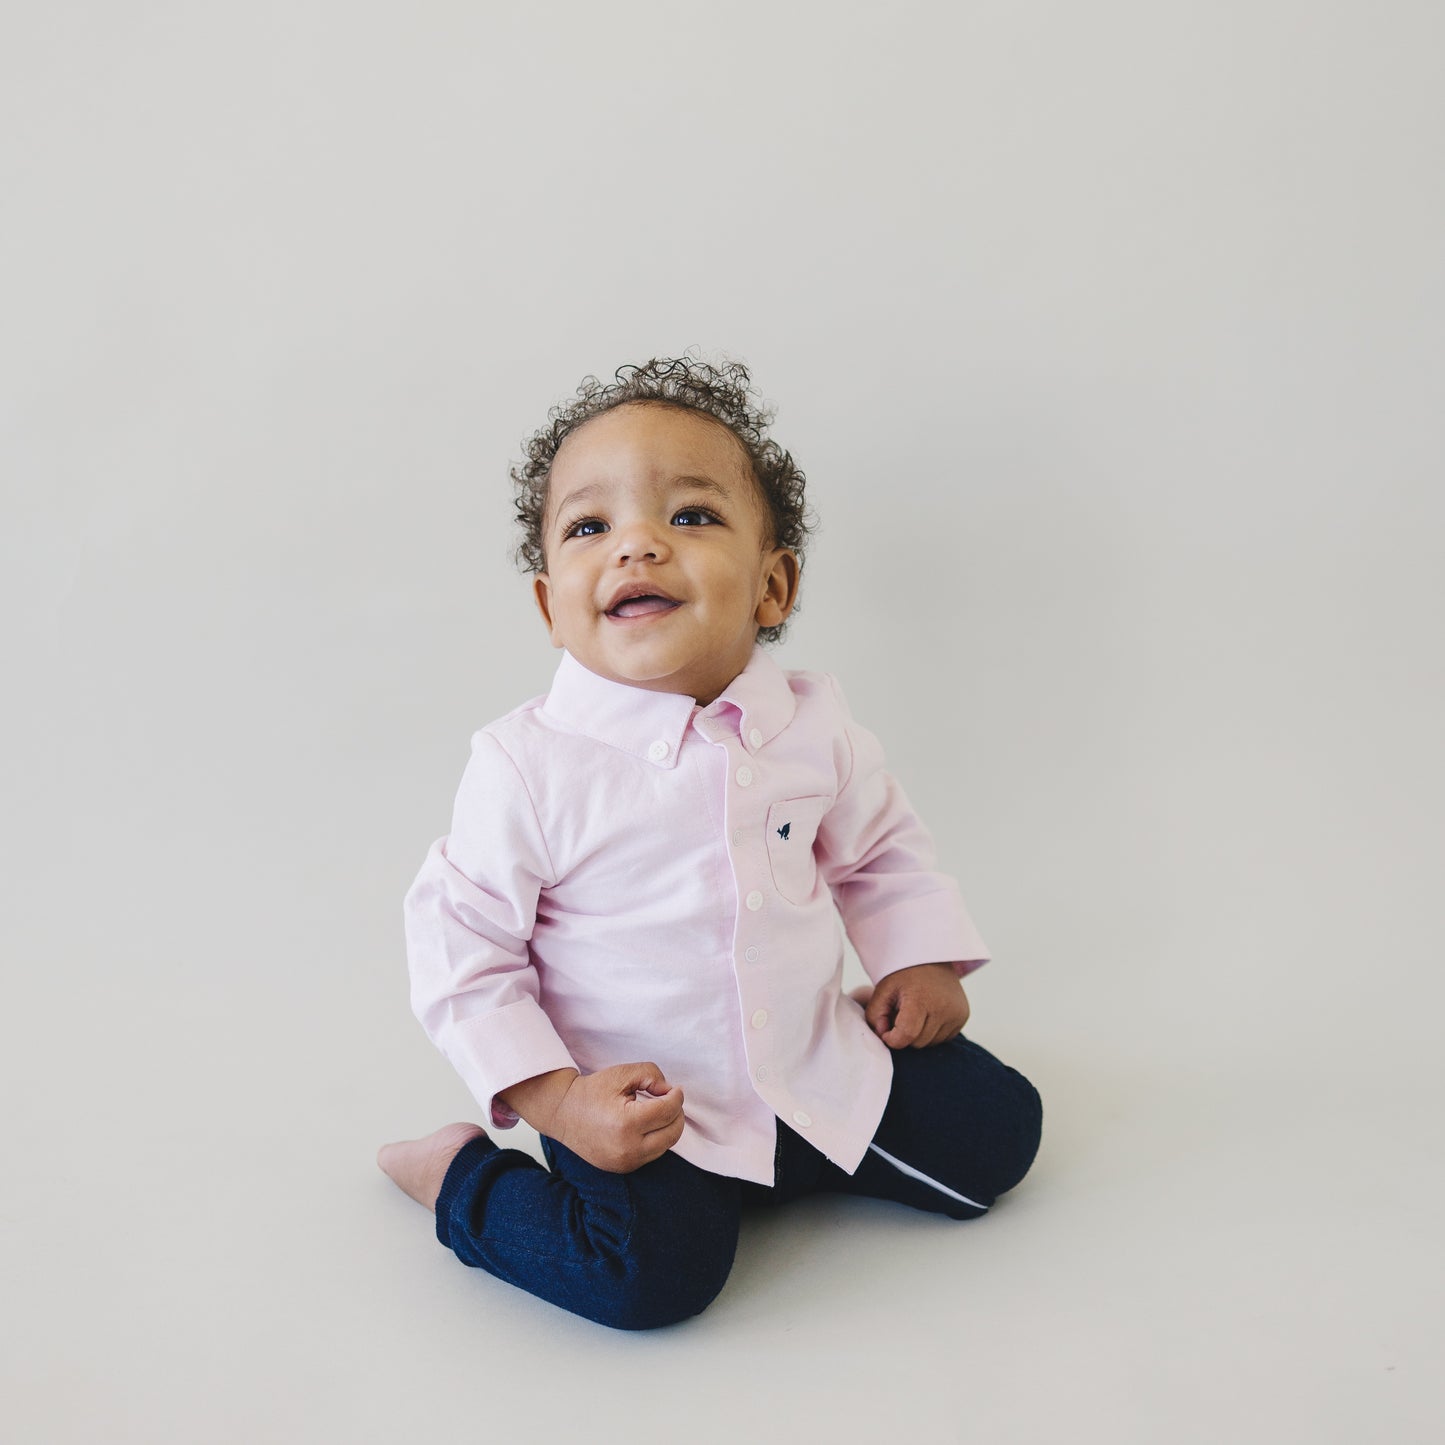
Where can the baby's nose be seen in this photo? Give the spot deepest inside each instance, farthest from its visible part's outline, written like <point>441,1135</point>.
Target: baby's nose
<point>640,542</point>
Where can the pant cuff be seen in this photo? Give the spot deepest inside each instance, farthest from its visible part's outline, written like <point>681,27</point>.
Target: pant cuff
<point>459,1175</point>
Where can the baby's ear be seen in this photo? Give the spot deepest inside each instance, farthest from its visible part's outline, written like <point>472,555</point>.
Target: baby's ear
<point>781,589</point>
<point>542,593</point>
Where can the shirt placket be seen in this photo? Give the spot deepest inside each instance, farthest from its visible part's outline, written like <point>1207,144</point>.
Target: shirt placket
<point>746,802</point>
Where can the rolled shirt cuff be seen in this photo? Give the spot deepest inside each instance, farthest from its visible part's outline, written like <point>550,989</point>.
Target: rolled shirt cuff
<point>496,1050</point>
<point>918,931</point>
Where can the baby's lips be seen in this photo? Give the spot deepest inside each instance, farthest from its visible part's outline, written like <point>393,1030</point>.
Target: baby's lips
<point>642,606</point>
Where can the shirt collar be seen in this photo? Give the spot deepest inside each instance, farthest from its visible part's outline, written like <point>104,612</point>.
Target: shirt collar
<point>651,724</point>
<point>762,694</point>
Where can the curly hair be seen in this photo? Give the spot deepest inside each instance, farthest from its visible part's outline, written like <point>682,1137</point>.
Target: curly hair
<point>723,392</point>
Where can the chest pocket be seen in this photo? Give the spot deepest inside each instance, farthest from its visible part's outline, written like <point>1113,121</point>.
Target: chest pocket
<point>792,830</point>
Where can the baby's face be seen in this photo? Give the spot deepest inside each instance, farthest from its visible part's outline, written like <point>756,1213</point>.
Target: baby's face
<point>659,568</point>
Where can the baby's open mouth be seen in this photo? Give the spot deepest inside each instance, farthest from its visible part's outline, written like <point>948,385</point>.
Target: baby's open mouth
<point>643,606</point>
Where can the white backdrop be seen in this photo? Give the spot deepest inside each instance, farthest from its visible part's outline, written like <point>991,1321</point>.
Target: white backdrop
<point>1110,339</point>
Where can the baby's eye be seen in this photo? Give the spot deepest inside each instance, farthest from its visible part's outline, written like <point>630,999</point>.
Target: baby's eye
<point>587,527</point>
<point>694,517</point>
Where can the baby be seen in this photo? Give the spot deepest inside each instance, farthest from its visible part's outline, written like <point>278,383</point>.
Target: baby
<point>630,937</point>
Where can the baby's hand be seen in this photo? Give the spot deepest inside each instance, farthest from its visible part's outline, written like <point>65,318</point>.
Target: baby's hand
<point>619,1118</point>
<point>917,1007</point>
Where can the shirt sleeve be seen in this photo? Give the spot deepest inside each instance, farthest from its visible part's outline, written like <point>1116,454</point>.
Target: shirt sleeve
<point>469,916</point>
<point>880,863</point>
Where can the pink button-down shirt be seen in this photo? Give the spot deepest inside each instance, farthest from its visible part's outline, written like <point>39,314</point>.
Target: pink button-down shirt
<point>629,877</point>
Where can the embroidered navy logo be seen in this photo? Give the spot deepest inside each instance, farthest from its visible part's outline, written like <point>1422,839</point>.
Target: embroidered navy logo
<point>783,831</point>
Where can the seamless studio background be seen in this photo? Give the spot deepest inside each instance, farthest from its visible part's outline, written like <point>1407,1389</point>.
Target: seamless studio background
<point>1109,338</point>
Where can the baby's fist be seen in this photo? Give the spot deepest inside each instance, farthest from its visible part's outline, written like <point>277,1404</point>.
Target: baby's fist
<point>620,1118</point>
<point>916,1007</point>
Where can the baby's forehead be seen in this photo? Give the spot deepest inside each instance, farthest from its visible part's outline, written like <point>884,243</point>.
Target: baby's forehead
<point>657,485</point>
<point>652,447</point>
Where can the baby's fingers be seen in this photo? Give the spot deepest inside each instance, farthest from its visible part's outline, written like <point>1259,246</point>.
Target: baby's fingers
<point>879,1009</point>
<point>908,1025</point>
<point>657,1113</point>
<point>655,1125</point>
<point>656,1142</point>
<point>642,1078</point>
<point>939,1031</point>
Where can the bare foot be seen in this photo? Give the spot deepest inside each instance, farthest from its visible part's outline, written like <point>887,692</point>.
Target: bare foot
<point>418,1166</point>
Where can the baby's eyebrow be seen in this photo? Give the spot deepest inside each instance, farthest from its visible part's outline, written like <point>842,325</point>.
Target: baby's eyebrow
<point>703,484</point>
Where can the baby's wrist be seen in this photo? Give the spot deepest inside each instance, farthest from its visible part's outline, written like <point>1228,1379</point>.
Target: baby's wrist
<point>538,1100</point>
<point>557,1124</point>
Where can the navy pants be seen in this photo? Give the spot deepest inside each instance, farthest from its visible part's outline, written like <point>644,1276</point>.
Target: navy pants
<point>652,1247</point>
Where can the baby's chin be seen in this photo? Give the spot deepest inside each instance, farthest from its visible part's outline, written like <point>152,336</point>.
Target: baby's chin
<point>659,656</point>
<point>701,681</point>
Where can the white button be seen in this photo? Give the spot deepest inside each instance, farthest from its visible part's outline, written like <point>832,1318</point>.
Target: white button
<point>658,751</point>
<point>737,837</point>
<point>755,738</point>
<point>763,1073</point>
<point>745,777</point>
<point>752,954</point>
<point>755,900</point>
<point>760,1018</point>
<point>801,1119</point>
